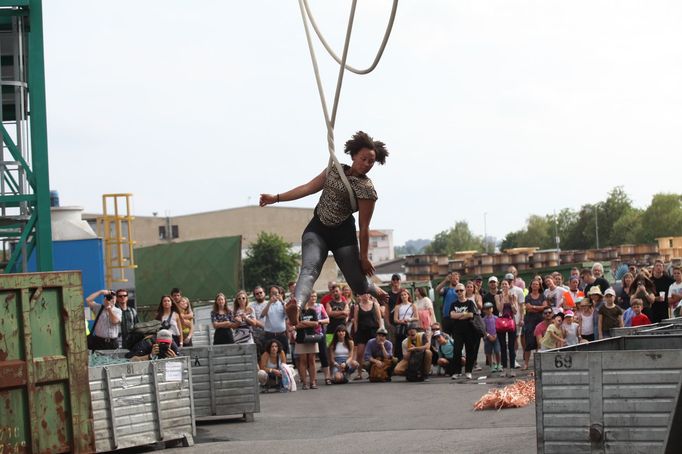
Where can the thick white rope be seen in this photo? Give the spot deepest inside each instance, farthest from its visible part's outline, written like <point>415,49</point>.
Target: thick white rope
<point>330,121</point>
<point>326,45</point>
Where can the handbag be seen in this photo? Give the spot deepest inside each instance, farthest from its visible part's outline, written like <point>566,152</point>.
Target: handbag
<point>479,325</point>
<point>312,338</point>
<point>380,374</point>
<point>505,324</point>
<point>93,341</point>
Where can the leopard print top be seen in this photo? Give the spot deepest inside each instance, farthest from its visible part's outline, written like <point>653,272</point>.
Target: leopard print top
<point>334,205</point>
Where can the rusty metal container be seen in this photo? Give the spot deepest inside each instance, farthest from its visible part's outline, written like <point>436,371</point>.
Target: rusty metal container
<point>44,394</point>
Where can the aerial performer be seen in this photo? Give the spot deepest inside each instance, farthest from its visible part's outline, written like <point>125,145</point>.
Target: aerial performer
<point>332,227</point>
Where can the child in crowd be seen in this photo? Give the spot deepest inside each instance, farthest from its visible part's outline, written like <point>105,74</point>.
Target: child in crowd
<point>490,343</point>
<point>571,329</point>
<point>445,351</point>
<point>638,319</point>
<point>610,315</point>
<point>554,336</point>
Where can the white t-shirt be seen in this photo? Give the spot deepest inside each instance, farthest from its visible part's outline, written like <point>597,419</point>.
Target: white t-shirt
<point>675,289</point>
<point>557,297</point>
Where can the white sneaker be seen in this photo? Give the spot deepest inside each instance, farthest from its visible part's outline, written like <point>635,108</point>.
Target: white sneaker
<point>456,376</point>
<point>468,375</point>
<point>517,365</point>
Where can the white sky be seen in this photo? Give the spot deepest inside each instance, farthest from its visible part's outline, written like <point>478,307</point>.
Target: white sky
<point>505,107</point>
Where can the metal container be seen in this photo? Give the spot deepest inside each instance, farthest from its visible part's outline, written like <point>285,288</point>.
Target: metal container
<point>141,403</point>
<point>43,364</point>
<point>631,330</point>
<point>609,396</point>
<point>225,380</point>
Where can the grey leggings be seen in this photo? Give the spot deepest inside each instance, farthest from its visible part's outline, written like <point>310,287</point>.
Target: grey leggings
<point>314,254</point>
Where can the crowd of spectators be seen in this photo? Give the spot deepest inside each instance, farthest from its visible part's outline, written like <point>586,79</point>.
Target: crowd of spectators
<point>356,337</point>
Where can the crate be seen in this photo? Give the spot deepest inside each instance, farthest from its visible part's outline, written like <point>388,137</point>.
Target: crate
<point>609,396</point>
<point>225,380</point>
<point>142,403</point>
<point>43,364</point>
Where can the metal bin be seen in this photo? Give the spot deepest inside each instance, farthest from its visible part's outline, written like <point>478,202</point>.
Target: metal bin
<point>609,396</point>
<point>225,380</point>
<point>141,403</point>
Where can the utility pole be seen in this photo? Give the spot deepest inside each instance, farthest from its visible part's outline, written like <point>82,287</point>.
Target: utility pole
<point>485,230</point>
<point>596,222</point>
<point>556,232</point>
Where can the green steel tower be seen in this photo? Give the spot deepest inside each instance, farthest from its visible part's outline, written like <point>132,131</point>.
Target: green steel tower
<point>25,227</point>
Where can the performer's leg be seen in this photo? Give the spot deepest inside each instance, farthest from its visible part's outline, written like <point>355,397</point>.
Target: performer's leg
<point>314,253</point>
<point>348,259</point>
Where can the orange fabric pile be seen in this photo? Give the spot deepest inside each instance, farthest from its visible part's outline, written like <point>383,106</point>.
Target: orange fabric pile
<point>516,395</point>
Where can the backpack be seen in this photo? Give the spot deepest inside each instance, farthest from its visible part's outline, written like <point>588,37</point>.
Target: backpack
<point>415,366</point>
<point>140,331</point>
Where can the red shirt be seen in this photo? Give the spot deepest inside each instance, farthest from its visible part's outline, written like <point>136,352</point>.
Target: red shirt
<point>639,320</point>
<point>541,329</point>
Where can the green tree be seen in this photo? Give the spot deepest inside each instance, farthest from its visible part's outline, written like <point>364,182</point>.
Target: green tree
<point>662,218</point>
<point>616,205</point>
<point>458,238</point>
<point>270,261</point>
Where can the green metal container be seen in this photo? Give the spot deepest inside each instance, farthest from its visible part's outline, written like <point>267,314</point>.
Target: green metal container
<point>44,391</point>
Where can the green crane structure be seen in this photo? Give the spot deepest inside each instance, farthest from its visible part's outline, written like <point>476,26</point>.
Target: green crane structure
<point>25,227</point>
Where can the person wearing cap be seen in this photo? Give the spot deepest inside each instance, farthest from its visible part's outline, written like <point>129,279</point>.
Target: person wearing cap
<point>489,296</point>
<point>571,329</point>
<point>154,347</point>
<point>415,341</point>
<point>518,282</point>
<point>379,353</point>
<point>445,352</point>
<point>574,295</point>
<point>610,315</point>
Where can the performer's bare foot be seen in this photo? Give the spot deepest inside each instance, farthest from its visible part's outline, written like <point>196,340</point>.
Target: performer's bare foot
<point>382,296</point>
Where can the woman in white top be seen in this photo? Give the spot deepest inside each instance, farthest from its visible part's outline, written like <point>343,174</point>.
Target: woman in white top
<point>167,312</point>
<point>404,313</point>
<point>341,354</point>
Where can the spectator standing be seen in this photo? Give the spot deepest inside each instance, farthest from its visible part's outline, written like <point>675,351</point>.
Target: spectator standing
<point>520,314</point>
<point>366,322</point>
<point>535,305</point>
<point>675,290</point>
<point>108,326</point>
<point>167,313</point>
<point>554,294</point>
<point>662,283</point>
<point>222,319</point>
<point>128,316</point>
<point>347,294</point>
<point>508,307</point>
<point>594,276</point>
<point>258,326</point>
<point>493,290</point>
<point>394,294</point>
<point>610,315</point>
<point>464,335</point>
<point>321,329</point>
<point>554,336</point>
<point>571,329</point>
<point>337,311</point>
<point>186,320</point>
<point>491,344</point>
<point>541,328</point>
<point>425,311</point>
<point>638,318</point>
<point>517,282</point>
<point>574,295</point>
<point>244,318</point>
<point>587,320</point>
<point>275,319</point>
<point>446,289</point>
<point>623,296</point>
<point>645,290</point>
<point>306,325</point>
<point>404,314</point>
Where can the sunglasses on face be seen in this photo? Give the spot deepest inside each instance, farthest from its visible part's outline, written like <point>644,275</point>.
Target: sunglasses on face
<point>459,291</point>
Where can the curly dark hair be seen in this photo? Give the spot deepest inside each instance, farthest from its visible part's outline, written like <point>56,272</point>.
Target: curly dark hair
<point>362,140</point>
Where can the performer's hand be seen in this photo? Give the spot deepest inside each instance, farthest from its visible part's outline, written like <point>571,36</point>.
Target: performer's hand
<point>367,267</point>
<point>267,199</point>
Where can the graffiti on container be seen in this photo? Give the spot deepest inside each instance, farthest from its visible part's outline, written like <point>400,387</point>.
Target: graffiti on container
<point>8,440</point>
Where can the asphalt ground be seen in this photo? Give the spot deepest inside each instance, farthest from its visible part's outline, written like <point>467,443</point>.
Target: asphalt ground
<point>363,417</point>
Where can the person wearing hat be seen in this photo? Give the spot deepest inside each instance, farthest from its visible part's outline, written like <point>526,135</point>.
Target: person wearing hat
<point>379,353</point>
<point>493,290</point>
<point>587,316</point>
<point>571,329</point>
<point>610,315</point>
<point>154,347</point>
<point>415,341</point>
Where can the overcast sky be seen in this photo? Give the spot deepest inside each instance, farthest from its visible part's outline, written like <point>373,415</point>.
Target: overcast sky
<point>508,108</point>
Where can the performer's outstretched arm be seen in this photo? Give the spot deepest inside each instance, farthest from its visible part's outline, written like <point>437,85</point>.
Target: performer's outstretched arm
<point>311,187</point>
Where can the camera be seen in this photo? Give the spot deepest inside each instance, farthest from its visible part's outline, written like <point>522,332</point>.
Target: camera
<point>110,295</point>
<point>163,349</point>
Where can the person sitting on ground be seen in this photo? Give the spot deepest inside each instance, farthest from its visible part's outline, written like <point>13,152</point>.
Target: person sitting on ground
<point>415,341</point>
<point>378,359</point>
<point>610,315</point>
<point>445,351</point>
<point>491,345</point>
<point>270,373</point>
<point>554,336</point>
<point>154,347</point>
<point>341,355</point>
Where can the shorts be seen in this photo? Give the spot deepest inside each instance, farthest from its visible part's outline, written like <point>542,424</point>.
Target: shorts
<point>364,335</point>
<point>490,347</point>
<point>341,360</point>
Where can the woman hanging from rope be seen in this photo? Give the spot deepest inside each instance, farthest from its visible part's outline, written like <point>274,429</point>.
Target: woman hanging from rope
<point>333,226</point>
